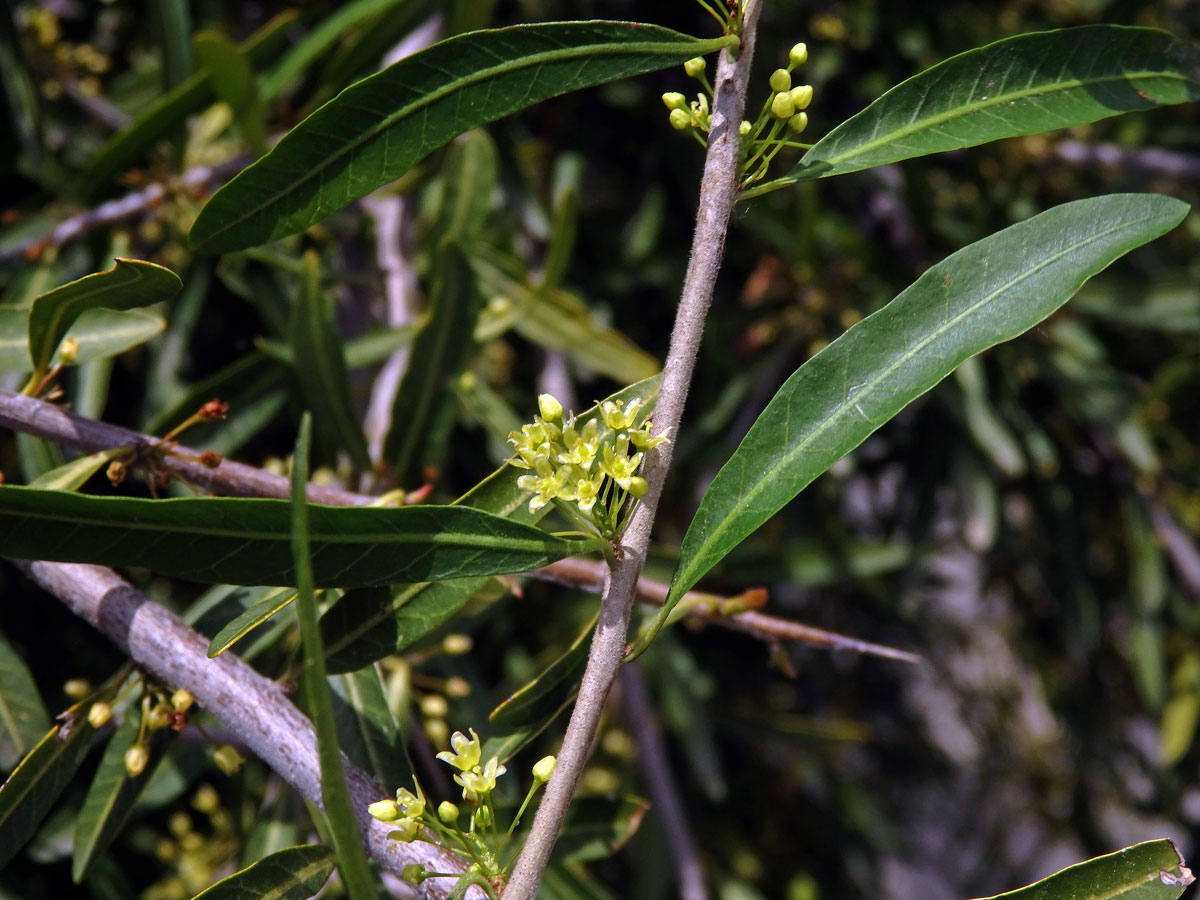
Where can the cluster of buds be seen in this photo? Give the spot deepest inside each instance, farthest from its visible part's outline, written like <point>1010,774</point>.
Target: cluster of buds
<point>479,843</point>
<point>782,118</point>
<point>589,469</point>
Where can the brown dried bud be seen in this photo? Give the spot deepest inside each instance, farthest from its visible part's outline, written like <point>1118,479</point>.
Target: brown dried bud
<point>116,472</point>
<point>210,459</point>
<point>162,478</point>
<point>213,410</point>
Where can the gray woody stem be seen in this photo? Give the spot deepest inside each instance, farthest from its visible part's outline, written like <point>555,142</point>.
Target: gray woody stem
<point>718,190</point>
<point>251,705</point>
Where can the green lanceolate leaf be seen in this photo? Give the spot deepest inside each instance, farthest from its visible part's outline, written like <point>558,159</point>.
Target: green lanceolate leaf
<point>376,130</point>
<point>441,350</point>
<point>367,731</point>
<point>321,365</point>
<point>237,541</point>
<point>600,827</point>
<point>1150,871</point>
<point>112,794</point>
<point>128,284</point>
<point>368,625</point>
<point>469,182</point>
<point>73,475</point>
<point>242,625</point>
<point>296,873</point>
<point>1020,85</point>
<point>343,826</point>
<point>99,332</point>
<point>14,339</point>
<point>23,718</point>
<point>530,710</point>
<point>36,783</point>
<point>988,292</point>
<point>232,78</point>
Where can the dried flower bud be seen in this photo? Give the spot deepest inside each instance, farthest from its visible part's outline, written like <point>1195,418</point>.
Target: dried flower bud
<point>213,410</point>
<point>116,472</point>
<point>210,459</point>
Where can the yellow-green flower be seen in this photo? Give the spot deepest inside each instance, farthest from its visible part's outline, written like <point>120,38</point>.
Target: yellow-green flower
<point>480,782</point>
<point>467,751</point>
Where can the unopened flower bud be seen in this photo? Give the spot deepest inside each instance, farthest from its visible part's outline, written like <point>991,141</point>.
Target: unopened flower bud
<point>638,487</point>
<point>136,758</point>
<point>77,688</point>
<point>798,55</point>
<point>483,816</point>
<point>457,644</point>
<point>802,95</point>
<point>384,810</point>
<point>544,768</point>
<point>781,80</point>
<point>680,120</point>
<point>694,67</point>
<point>68,351</point>
<point>228,760</point>
<point>745,128</point>
<point>798,122</point>
<point>99,714</point>
<point>413,873</point>
<point>182,700</point>
<point>115,472</point>
<point>159,717</point>
<point>549,407</point>
<point>448,813</point>
<point>782,106</point>
<point>674,100</point>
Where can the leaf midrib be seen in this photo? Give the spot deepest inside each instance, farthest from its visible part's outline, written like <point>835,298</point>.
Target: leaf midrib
<point>631,49</point>
<point>762,483</point>
<point>133,276</point>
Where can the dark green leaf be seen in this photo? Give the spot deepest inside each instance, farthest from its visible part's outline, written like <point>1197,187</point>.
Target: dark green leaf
<point>986,293</point>
<point>441,350</point>
<point>112,794</point>
<point>232,78</point>
<point>170,110</point>
<point>247,541</point>
<point>343,825</point>
<point>599,827</point>
<point>1020,85</point>
<point>468,185</point>
<point>367,731</point>
<point>23,718</point>
<point>128,284</point>
<point>173,27</point>
<point>531,709</point>
<point>14,339</point>
<point>293,874</point>
<point>1149,871</point>
<point>366,626</point>
<point>36,783</point>
<point>376,130</point>
<point>239,627</point>
<point>321,366</point>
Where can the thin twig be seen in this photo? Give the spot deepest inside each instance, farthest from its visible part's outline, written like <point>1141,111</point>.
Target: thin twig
<point>45,420</point>
<point>133,204</point>
<point>253,706</point>
<point>717,191</point>
<point>660,783</point>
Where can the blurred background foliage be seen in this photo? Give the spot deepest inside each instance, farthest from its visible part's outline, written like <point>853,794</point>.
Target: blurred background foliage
<point>1030,527</point>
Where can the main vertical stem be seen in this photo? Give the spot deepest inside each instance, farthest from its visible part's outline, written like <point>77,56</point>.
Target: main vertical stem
<point>718,190</point>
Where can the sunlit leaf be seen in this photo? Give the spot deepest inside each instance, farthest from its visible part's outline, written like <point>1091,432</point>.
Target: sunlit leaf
<point>376,130</point>
<point>293,874</point>
<point>988,292</point>
<point>250,619</point>
<point>128,284</point>
<point>1153,870</point>
<point>1020,85</point>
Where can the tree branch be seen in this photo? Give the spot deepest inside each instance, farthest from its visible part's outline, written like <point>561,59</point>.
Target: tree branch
<point>251,705</point>
<point>718,189</point>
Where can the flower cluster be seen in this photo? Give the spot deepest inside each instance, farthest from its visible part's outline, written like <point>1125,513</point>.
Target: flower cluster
<point>480,843</point>
<point>782,117</point>
<point>590,466</point>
